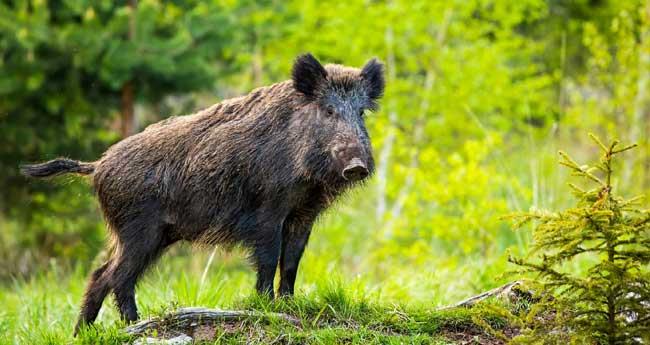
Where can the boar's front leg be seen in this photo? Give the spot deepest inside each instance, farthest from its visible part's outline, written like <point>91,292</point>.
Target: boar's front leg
<point>295,234</point>
<point>266,255</point>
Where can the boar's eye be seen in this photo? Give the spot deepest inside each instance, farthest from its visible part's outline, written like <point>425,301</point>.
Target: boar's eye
<point>330,110</point>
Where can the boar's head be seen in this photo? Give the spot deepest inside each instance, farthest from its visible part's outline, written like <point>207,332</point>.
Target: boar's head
<point>336,145</point>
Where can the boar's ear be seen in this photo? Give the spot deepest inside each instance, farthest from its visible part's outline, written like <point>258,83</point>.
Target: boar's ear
<point>308,75</point>
<point>373,74</point>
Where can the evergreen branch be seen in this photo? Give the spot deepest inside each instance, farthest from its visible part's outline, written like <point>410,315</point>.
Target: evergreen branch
<point>631,201</point>
<point>576,188</point>
<point>632,241</point>
<point>641,254</point>
<point>611,148</point>
<point>568,161</point>
<point>643,320</point>
<point>593,177</point>
<point>591,312</point>
<point>598,142</point>
<point>643,222</point>
<point>628,147</point>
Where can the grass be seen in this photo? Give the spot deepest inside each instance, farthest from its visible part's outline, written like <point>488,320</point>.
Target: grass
<point>332,308</point>
<point>331,316</point>
<point>337,308</point>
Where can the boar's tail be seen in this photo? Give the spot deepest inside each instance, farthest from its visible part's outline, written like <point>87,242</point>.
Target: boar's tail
<point>57,167</point>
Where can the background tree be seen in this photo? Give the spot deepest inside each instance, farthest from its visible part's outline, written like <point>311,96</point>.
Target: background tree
<point>70,71</point>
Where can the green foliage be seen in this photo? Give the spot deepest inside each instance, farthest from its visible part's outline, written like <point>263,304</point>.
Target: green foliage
<point>608,299</point>
<point>63,65</point>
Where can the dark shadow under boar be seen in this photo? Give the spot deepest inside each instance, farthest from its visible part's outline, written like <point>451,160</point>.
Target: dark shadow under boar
<point>255,170</point>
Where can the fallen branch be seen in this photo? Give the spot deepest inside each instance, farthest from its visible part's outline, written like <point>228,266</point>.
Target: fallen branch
<point>189,318</point>
<point>504,291</point>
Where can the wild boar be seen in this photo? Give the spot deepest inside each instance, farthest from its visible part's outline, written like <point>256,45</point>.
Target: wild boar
<point>255,170</point>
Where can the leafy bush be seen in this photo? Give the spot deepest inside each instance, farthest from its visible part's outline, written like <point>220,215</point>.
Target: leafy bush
<point>608,236</point>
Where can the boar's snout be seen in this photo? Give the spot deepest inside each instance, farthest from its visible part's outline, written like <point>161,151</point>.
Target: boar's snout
<point>356,170</point>
<point>351,159</point>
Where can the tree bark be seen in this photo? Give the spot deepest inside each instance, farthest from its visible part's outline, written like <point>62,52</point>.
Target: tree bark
<point>127,122</point>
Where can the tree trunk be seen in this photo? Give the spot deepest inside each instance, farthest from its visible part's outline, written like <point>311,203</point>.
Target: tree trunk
<point>127,122</point>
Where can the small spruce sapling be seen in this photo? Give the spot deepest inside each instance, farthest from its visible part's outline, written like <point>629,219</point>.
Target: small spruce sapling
<point>609,301</point>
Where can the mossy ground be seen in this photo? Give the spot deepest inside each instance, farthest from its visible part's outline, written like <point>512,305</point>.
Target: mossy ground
<point>331,316</point>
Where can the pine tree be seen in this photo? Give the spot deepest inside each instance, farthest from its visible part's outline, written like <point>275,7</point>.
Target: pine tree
<point>67,70</point>
<point>609,236</point>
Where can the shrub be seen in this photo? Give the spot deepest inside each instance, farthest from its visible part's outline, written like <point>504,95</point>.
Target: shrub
<point>592,260</point>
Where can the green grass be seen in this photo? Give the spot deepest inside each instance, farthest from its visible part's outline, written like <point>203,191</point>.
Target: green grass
<point>332,308</point>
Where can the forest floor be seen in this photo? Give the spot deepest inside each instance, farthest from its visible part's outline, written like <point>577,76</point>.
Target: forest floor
<point>325,319</point>
<point>325,310</point>
<point>331,316</point>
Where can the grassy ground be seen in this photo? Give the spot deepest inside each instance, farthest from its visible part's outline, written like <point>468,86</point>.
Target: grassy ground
<point>330,315</point>
<point>331,307</point>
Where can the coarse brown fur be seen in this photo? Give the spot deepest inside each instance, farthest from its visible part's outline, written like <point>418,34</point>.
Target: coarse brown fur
<point>255,170</point>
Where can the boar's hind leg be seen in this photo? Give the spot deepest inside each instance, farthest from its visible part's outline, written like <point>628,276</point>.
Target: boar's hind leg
<point>295,235</point>
<point>137,252</point>
<point>98,288</point>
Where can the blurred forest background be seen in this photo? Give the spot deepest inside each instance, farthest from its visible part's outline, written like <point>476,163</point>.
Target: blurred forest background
<point>480,96</point>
